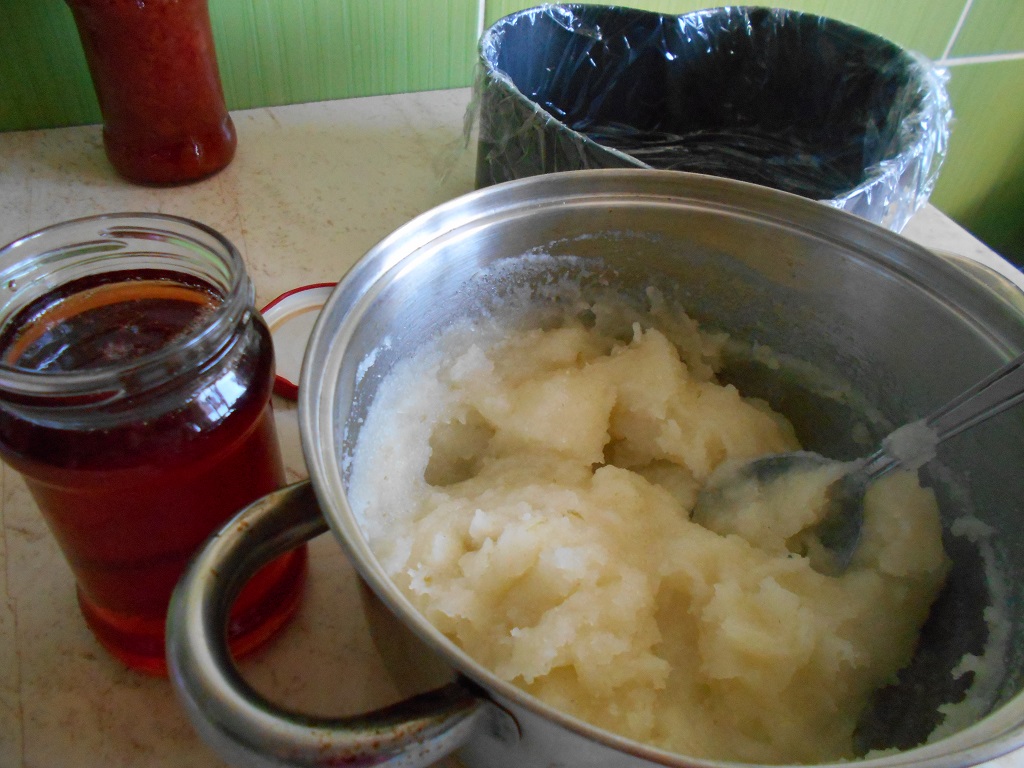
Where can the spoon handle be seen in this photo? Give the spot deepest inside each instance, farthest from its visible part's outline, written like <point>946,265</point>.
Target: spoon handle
<point>992,395</point>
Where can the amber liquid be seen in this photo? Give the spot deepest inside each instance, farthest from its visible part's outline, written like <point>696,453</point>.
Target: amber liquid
<point>130,500</point>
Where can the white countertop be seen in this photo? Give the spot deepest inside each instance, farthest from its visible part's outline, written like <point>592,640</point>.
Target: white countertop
<point>310,190</point>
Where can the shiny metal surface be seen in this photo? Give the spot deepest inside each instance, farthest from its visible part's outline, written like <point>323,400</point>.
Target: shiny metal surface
<point>246,729</point>
<point>899,327</point>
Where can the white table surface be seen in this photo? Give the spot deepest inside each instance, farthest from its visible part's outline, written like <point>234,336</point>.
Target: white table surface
<point>310,190</point>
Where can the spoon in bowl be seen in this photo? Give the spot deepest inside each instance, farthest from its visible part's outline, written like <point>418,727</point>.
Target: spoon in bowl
<point>910,447</point>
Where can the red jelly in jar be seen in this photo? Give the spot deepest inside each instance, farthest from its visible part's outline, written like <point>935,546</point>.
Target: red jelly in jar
<point>154,69</point>
<point>135,381</point>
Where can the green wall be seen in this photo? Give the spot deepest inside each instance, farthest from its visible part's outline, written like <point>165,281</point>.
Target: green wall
<point>286,51</point>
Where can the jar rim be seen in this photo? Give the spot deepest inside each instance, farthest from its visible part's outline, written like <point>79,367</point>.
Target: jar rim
<point>110,230</point>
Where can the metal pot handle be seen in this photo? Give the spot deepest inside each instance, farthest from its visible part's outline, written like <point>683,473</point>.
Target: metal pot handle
<point>988,275</point>
<point>241,725</point>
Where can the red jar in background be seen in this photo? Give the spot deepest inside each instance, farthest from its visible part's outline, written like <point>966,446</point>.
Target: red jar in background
<point>154,68</point>
<point>135,381</point>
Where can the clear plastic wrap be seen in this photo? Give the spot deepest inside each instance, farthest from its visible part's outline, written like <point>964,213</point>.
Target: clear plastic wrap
<point>790,100</point>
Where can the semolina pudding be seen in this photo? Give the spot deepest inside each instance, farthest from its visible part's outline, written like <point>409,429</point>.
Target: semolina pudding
<point>531,492</point>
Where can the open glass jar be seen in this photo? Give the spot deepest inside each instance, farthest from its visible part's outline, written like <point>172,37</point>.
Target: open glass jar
<point>135,383</point>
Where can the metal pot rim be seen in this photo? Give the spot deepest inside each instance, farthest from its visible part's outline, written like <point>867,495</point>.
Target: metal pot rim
<point>346,305</point>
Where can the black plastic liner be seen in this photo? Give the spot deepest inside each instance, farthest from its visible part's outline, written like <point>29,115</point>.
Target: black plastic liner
<point>794,101</point>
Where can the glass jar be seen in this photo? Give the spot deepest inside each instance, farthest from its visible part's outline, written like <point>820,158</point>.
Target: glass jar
<point>154,68</point>
<point>135,383</point>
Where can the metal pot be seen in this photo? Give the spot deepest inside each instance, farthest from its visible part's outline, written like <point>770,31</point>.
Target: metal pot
<point>904,328</point>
